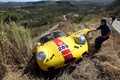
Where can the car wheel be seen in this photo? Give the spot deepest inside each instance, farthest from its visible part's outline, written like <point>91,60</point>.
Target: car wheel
<point>78,61</point>
<point>51,69</point>
<point>84,55</point>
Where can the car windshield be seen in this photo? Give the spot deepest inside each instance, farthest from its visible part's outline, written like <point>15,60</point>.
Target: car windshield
<point>52,36</point>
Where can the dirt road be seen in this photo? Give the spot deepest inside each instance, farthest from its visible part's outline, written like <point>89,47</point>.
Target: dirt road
<point>116,25</point>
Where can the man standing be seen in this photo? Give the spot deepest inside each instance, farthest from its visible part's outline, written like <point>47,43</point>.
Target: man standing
<point>105,33</point>
<point>112,19</point>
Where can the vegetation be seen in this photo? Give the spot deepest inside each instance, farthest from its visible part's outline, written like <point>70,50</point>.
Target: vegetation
<point>15,44</point>
<point>17,61</point>
<point>37,14</point>
<point>11,17</point>
<point>114,8</point>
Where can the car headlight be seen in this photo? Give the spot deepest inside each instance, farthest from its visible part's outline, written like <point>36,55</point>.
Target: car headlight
<point>88,36</point>
<point>41,56</point>
<point>82,39</point>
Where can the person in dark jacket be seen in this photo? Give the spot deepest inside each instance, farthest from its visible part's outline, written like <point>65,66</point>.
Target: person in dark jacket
<point>112,19</point>
<point>105,33</point>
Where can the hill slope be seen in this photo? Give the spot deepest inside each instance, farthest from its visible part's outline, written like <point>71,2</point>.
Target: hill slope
<point>100,1</point>
<point>103,65</point>
<point>17,63</point>
<point>114,8</point>
<point>38,14</point>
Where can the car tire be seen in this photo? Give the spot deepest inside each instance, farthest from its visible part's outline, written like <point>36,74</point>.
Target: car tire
<point>85,54</point>
<point>51,69</point>
<point>78,61</point>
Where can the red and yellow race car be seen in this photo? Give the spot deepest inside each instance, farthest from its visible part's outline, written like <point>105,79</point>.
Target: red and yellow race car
<point>57,49</point>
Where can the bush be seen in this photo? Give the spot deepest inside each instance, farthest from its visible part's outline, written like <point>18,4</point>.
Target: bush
<point>15,44</point>
<point>77,19</point>
<point>11,17</point>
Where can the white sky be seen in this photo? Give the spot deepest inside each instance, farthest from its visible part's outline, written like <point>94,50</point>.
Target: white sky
<point>27,0</point>
<point>18,0</point>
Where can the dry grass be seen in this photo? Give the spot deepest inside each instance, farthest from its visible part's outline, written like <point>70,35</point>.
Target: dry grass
<point>15,46</point>
<point>39,30</point>
<point>67,26</point>
<point>104,65</point>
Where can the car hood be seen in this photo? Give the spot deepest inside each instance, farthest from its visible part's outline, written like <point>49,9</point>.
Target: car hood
<point>53,47</point>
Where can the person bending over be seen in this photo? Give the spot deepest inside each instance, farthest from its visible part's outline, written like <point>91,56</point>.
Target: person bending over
<point>105,33</point>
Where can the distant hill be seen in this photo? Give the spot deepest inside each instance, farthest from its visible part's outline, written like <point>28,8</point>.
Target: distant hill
<point>114,8</point>
<point>4,5</point>
<point>11,4</point>
<point>115,3</point>
<point>1,2</point>
<point>100,1</point>
<point>43,12</point>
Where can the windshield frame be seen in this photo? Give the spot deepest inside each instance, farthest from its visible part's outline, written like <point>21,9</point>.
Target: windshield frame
<point>51,36</point>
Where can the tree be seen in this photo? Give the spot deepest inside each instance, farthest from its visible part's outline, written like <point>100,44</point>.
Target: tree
<point>77,19</point>
<point>11,17</point>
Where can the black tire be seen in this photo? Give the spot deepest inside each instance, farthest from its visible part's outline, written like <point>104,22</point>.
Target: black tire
<point>85,55</point>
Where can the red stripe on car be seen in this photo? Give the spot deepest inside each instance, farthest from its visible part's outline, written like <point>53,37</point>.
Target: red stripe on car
<point>64,49</point>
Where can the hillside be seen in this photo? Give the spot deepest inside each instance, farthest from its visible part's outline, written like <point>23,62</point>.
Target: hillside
<point>20,64</point>
<point>5,5</point>
<point>101,2</point>
<point>17,61</point>
<point>38,14</point>
<point>114,8</point>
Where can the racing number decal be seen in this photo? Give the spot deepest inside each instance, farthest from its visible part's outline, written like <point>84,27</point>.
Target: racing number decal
<point>64,49</point>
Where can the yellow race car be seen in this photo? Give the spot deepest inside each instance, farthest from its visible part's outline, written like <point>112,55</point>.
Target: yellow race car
<point>57,49</point>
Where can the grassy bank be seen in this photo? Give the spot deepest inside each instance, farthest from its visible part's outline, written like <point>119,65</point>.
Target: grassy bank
<point>103,65</point>
<point>15,45</point>
<point>17,62</point>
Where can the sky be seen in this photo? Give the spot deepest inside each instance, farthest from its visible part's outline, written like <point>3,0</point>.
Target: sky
<point>18,0</point>
<point>30,0</point>
<point>24,0</point>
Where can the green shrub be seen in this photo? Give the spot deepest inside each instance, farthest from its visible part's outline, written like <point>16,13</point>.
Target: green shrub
<point>15,44</point>
<point>77,19</point>
<point>11,17</point>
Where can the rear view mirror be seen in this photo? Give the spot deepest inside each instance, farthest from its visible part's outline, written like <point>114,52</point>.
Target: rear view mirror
<point>69,33</point>
<point>35,47</point>
<point>38,44</point>
<point>88,36</point>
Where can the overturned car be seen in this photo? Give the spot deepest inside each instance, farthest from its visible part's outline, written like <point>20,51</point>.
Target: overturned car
<point>57,49</point>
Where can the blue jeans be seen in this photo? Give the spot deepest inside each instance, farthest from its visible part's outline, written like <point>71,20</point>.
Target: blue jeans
<point>98,41</point>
